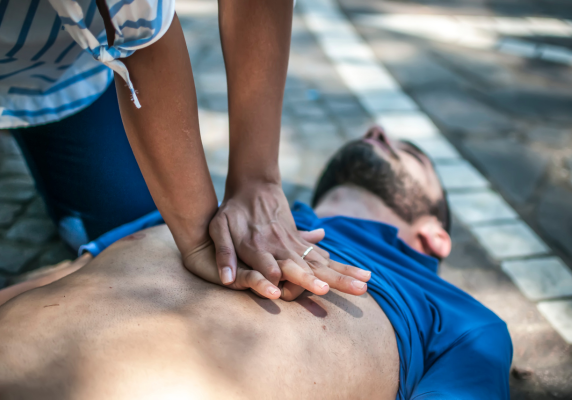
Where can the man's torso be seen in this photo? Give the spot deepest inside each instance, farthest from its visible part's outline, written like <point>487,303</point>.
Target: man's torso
<point>135,324</point>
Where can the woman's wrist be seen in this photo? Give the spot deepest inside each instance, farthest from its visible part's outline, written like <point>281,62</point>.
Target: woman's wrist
<point>251,177</point>
<point>189,237</point>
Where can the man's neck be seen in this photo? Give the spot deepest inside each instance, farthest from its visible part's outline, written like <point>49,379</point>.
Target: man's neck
<point>353,201</point>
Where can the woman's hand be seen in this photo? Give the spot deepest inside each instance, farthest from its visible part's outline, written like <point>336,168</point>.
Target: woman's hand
<point>254,222</point>
<point>201,262</point>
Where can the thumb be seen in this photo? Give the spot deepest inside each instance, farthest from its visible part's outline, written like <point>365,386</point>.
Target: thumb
<point>314,236</point>
<point>225,253</point>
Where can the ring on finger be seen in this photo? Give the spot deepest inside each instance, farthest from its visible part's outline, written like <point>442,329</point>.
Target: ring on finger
<point>308,250</point>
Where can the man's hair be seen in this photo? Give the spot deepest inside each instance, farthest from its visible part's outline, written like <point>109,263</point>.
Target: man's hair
<point>358,164</point>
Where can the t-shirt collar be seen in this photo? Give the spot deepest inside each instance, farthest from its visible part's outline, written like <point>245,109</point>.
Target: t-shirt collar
<point>306,218</point>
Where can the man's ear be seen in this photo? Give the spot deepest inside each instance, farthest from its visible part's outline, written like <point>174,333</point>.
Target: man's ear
<point>435,240</point>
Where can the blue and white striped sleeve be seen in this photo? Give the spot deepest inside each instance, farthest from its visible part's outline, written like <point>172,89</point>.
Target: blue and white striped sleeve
<point>137,24</point>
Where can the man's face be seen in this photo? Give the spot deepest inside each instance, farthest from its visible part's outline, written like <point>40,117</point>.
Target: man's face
<point>408,161</point>
<point>397,172</point>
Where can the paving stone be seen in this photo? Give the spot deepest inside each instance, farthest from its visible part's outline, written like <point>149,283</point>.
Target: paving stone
<point>296,95</point>
<point>313,165</point>
<point>550,104</point>
<point>212,83</point>
<point>466,256</point>
<point>13,165</point>
<point>320,135</point>
<point>217,102</point>
<point>459,233</point>
<point>515,168</point>
<point>437,148</point>
<point>16,189</point>
<point>550,136</point>
<point>15,256</point>
<point>459,112</point>
<point>8,145</point>
<point>219,182</point>
<point>57,253</point>
<point>354,128</point>
<point>556,54</point>
<point>8,213</point>
<point>408,125</point>
<point>342,107</point>
<point>380,101</point>
<point>366,76</point>
<point>290,160</point>
<point>460,175</point>
<point>290,190</point>
<point>559,314</point>
<point>554,216</point>
<point>293,82</point>
<point>549,27</point>
<point>411,65</point>
<point>512,239</point>
<point>479,207</point>
<point>485,70</point>
<point>32,230</point>
<point>519,48</point>
<point>569,163</point>
<point>304,196</point>
<point>309,110</point>
<point>37,208</point>
<point>540,278</point>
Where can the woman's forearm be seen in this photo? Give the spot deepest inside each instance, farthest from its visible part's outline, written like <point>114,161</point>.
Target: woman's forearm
<point>164,135</point>
<point>255,37</point>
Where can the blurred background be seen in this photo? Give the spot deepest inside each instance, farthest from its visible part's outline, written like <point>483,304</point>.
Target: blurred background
<point>485,87</point>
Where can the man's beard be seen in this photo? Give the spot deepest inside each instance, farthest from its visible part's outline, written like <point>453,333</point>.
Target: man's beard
<point>358,164</point>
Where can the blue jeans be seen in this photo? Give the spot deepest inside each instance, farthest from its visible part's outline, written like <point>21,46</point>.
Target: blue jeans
<point>85,171</point>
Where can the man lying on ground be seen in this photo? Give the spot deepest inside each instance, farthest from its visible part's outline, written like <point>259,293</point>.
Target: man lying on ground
<point>133,323</point>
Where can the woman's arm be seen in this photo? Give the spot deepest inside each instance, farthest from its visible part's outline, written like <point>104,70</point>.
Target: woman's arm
<point>255,36</point>
<point>165,138</point>
<point>254,220</point>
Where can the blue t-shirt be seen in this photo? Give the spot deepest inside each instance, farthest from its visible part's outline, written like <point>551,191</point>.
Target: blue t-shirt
<point>450,345</point>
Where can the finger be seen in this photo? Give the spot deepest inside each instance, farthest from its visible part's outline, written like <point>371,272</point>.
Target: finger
<point>292,272</point>
<point>345,282</point>
<point>348,270</point>
<point>250,279</point>
<point>338,281</point>
<point>225,253</point>
<point>315,236</point>
<point>291,291</point>
<point>322,257</point>
<point>266,264</point>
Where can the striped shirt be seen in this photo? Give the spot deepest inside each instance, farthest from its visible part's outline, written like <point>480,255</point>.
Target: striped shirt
<point>54,57</point>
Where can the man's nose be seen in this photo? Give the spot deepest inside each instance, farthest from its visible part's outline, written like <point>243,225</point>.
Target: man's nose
<point>377,133</point>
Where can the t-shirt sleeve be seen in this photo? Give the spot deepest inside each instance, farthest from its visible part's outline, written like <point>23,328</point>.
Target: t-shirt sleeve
<point>475,367</point>
<point>137,24</point>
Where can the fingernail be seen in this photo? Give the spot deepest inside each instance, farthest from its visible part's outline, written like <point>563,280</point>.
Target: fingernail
<point>358,284</point>
<point>367,273</point>
<point>273,291</point>
<point>321,284</point>
<point>226,275</point>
